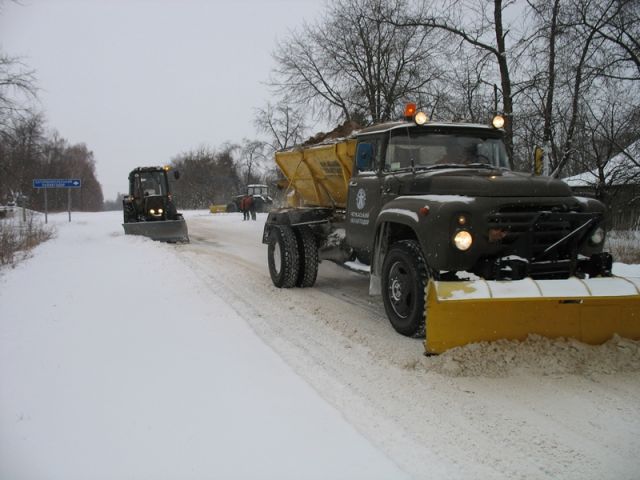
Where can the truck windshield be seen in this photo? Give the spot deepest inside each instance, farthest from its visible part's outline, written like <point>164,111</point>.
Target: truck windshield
<point>408,149</point>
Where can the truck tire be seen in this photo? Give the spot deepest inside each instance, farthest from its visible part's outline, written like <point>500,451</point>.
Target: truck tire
<point>282,253</point>
<point>404,277</point>
<point>307,257</point>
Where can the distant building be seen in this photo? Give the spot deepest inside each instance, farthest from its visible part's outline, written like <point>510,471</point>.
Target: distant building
<point>619,187</point>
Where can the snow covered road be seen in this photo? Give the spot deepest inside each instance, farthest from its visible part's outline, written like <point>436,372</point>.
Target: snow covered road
<point>97,380</point>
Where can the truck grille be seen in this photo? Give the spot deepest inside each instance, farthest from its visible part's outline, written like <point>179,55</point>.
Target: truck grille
<point>530,230</point>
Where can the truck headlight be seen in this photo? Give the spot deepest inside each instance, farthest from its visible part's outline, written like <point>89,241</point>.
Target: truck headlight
<point>152,211</point>
<point>597,237</point>
<point>463,240</point>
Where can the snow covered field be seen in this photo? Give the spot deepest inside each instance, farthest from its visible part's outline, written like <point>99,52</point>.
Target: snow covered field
<point>126,358</point>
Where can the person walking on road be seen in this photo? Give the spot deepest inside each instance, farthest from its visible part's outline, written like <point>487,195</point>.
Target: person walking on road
<point>245,206</point>
<point>252,207</point>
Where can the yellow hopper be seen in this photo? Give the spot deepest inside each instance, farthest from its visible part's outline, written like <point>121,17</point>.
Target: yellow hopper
<point>592,310</point>
<point>319,174</point>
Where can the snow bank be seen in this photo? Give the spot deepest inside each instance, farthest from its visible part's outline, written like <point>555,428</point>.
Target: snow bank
<point>538,355</point>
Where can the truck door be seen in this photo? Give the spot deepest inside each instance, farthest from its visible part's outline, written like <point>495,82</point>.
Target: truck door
<point>363,203</point>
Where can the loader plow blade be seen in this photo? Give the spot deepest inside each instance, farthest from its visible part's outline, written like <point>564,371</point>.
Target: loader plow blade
<point>591,311</point>
<point>163,231</point>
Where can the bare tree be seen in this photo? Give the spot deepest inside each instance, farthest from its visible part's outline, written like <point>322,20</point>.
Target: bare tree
<point>354,64</point>
<point>617,22</point>
<point>479,24</point>
<point>252,156</point>
<point>17,85</point>
<point>611,125</point>
<point>464,93</point>
<point>593,62</point>
<point>21,145</point>
<point>283,125</point>
<point>207,176</point>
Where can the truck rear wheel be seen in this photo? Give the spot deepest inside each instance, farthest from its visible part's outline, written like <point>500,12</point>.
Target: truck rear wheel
<point>308,257</point>
<point>404,277</point>
<point>283,259</point>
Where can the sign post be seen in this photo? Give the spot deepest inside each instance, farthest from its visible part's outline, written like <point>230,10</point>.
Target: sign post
<point>67,183</point>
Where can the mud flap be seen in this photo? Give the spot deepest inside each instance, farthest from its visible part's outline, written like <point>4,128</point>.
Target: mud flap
<point>163,231</point>
<point>591,311</point>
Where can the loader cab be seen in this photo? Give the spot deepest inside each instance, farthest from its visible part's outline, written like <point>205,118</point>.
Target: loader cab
<point>145,183</point>
<point>262,202</point>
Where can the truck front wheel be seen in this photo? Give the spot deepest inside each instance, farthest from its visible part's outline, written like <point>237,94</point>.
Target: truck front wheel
<point>282,253</point>
<point>404,276</point>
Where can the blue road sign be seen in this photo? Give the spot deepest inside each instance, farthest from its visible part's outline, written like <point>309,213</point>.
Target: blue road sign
<point>57,183</point>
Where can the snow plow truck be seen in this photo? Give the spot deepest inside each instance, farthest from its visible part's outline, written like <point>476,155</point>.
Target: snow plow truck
<point>461,248</point>
<point>149,210</point>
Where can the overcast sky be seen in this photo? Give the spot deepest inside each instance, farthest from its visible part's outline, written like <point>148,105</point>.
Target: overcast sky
<point>142,81</point>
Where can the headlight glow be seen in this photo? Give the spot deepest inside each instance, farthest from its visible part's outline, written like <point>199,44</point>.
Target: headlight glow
<point>152,211</point>
<point>463,240</point>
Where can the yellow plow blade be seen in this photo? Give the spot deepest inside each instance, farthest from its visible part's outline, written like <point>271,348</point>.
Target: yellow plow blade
<point>592,311</point>
<point>217,208</point>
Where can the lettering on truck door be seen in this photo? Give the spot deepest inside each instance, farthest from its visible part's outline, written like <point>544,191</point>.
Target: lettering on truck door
<point>364,194</point>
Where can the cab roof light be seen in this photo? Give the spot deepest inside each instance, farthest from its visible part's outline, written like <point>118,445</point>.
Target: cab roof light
<point>409,111</point>
<point>497,121</point>
<point>420,118</point>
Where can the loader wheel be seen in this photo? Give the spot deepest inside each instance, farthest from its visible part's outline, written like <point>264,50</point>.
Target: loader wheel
<point>308,257</point>
<point>282,253</point>
<point>129,213</point>
<point>404,276</point>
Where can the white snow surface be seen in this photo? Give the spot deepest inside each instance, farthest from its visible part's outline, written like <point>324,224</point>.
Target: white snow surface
<point>121,357</point>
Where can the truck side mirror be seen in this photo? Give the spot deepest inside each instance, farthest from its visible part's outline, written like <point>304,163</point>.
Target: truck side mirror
<point>364,156</point>
<point>176,174</point>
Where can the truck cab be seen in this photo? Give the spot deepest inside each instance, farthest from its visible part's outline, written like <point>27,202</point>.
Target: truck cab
<point>398,158</point>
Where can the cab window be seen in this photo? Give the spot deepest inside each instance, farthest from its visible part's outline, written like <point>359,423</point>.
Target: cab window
<point>369,154</point>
